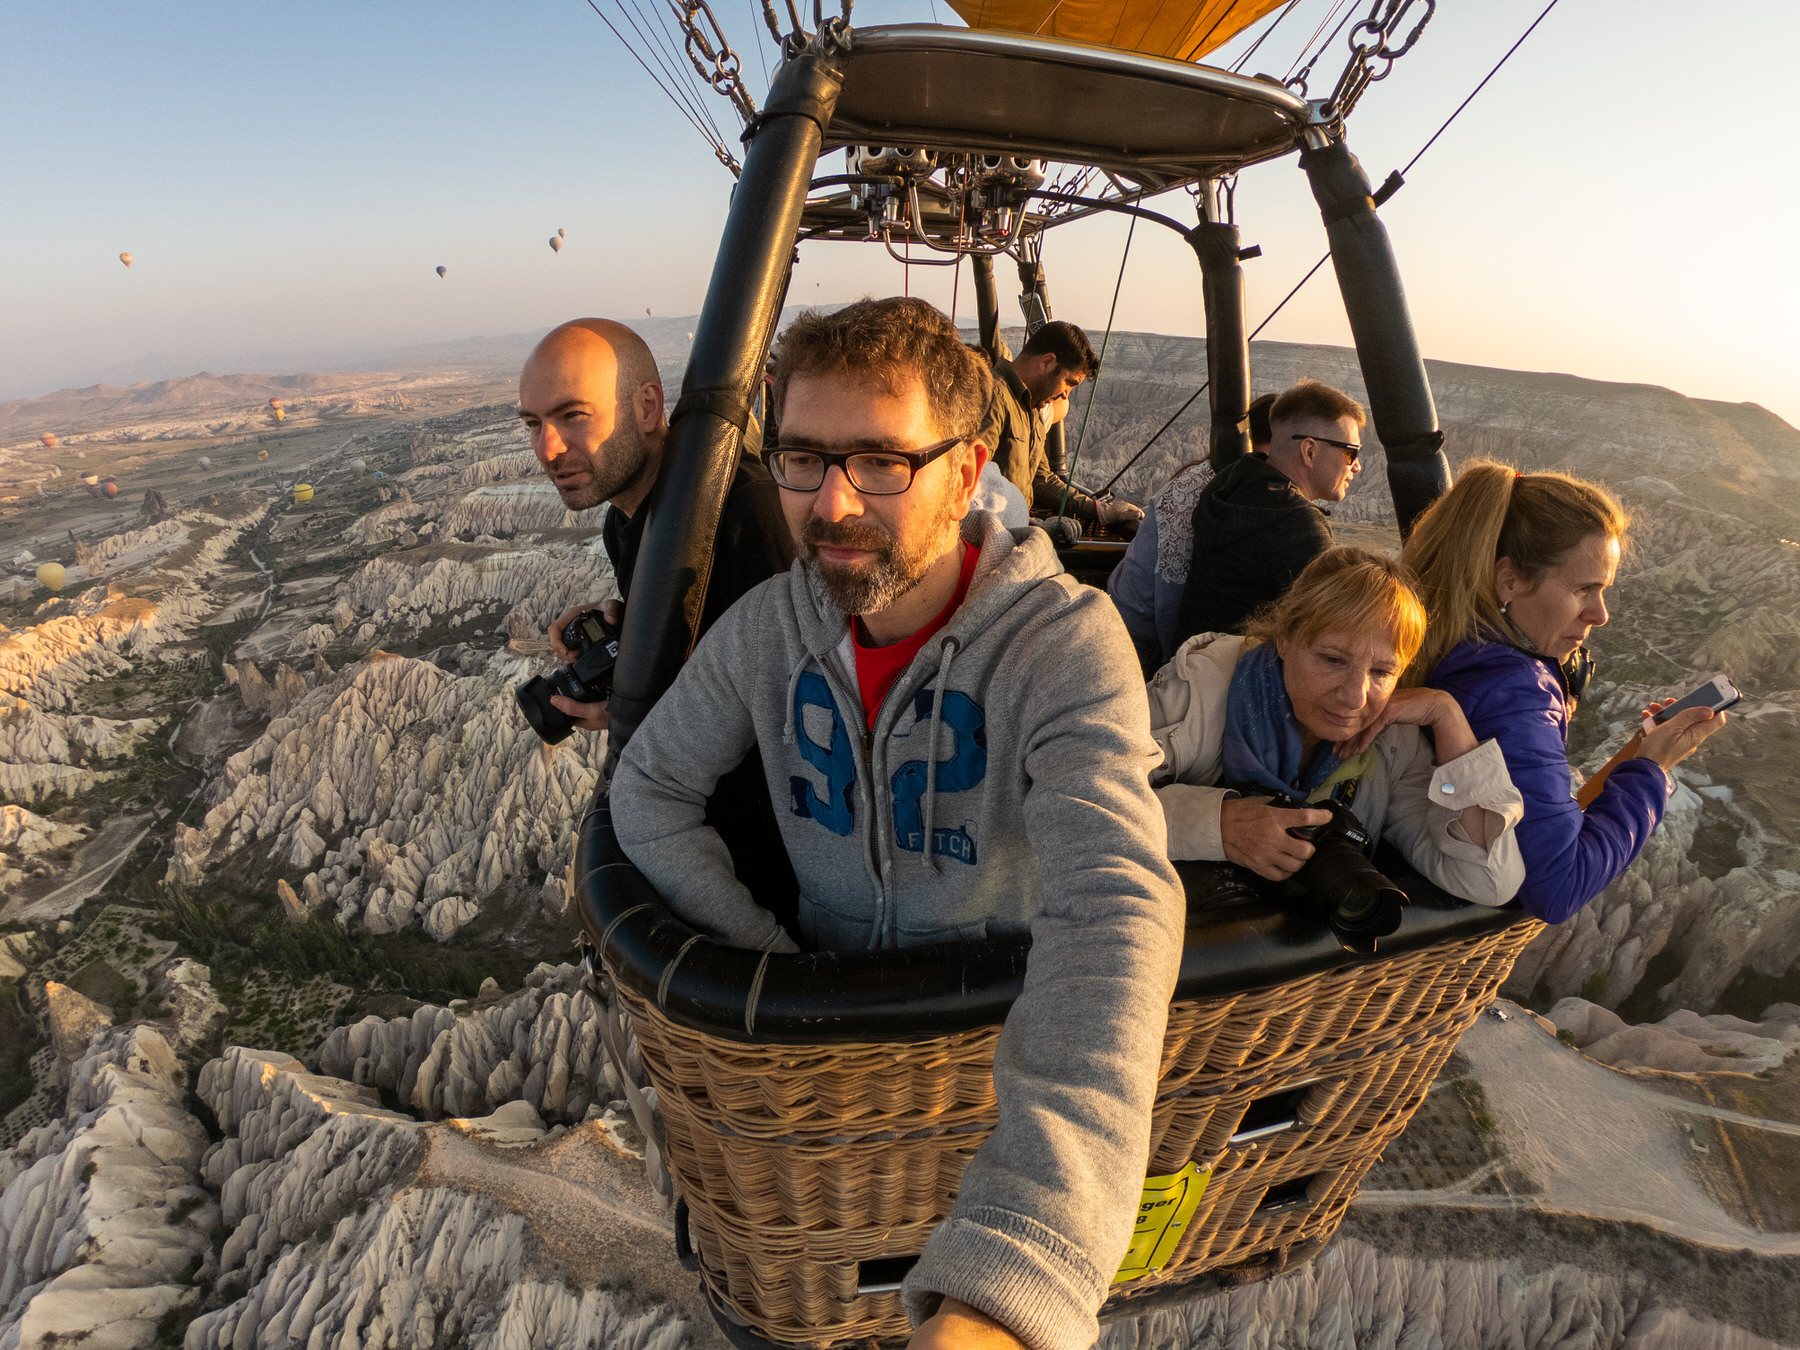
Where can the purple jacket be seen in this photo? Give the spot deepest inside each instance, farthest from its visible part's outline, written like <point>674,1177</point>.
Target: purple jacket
<point>1570,855</point>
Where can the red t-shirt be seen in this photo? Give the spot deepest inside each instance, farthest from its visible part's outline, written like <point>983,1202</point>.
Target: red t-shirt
<point>878,667</point>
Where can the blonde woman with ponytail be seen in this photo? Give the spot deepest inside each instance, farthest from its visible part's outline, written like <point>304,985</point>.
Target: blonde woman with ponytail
<point>1513,569</point>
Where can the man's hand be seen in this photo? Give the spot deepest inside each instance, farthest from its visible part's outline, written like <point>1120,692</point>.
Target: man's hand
<point>1256,836</point>
<point>587,716</point>
<point>957,1326</point>
<point>1115,513</point>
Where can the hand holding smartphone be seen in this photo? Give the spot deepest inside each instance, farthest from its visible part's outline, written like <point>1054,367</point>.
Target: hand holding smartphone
<point>1716,695</point>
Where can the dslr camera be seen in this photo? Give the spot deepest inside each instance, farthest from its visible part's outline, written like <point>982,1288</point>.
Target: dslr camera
<point>586,679</point>
<point>1359,902</point>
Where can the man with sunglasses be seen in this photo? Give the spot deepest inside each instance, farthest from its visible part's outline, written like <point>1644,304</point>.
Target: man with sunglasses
<point>1256,526</point>
<point>955,735</point>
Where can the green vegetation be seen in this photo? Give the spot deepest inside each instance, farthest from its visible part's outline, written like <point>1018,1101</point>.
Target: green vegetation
<point>1475,1098</point>
<point>20,1039</point>
<point>1593,988</point>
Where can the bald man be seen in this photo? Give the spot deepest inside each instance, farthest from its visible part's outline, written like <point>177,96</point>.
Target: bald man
<point>593,401</point>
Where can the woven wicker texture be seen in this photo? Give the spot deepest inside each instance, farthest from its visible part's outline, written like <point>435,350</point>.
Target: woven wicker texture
<point>798,1163</point>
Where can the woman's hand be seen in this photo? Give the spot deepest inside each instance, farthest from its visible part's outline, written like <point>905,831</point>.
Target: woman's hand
<point>1680,736</point>
<point>1256,836</point>
<point>1431,708</point>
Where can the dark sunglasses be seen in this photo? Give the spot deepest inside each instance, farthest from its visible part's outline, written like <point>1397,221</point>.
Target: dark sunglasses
<point>879,473</point>
<point>1351,450</point>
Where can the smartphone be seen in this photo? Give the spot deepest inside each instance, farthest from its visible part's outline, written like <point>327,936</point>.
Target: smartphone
<point>1718,694</point>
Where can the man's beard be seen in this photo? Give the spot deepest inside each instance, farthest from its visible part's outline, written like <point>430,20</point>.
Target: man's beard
<point>894,570</point>
<point>610,470</point>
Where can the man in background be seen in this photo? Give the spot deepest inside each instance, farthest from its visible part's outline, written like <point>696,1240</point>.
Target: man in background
<point>1148,583</point>
<point>1255,526</point>
<point>592,399</point>
<point>1052,364</point>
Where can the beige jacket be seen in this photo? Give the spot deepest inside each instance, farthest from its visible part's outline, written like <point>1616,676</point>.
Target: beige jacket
<point>1404,798</point>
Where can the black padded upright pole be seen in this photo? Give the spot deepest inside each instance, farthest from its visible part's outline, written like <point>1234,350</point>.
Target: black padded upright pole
<point>1388,350</point>
<point>1217,246</point>
<point>743,304</point>
<point>1031,282</point>
<point>987,305</point>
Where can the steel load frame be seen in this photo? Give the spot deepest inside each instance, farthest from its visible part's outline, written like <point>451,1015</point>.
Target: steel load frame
<point>1146,123</point>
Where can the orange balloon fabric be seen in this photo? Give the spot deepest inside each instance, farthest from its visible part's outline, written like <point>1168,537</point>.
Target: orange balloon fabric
<point>1183,29</point>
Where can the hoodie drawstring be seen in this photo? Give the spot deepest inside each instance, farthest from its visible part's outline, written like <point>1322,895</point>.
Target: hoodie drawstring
<point>787,728</point>
<point>946,654</point>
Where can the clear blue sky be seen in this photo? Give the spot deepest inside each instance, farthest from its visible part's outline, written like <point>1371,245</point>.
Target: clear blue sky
<point>1620,203</point>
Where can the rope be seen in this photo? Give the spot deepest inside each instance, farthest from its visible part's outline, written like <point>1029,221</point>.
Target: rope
<point>1238,64</point>
<point>1094,384</point>
<point>1313,271</point>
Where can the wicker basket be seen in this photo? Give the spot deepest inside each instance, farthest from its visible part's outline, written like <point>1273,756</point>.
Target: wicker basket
<point>800,1163</point>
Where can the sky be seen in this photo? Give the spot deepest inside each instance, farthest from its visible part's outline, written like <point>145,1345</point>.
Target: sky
<point>1619,203</point>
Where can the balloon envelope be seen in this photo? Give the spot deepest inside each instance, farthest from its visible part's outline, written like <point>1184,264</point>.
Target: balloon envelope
<point>51,575</point>
<point>561,233</point>
<point>125,258</point>
<point>281,414</point>
<point>442,270</point>
<point>556,243</point>
<point>648,310</point>
<point>379,475</point>
<point>48,439</point>
<point>302,493</point>
<point>205,462</point>
<point>359,464</point>
<point>274,403</point>
<point>111,489</point>
<point>262,454</point>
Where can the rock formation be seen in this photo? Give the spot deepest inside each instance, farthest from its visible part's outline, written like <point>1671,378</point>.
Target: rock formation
<point>1684,1041</point>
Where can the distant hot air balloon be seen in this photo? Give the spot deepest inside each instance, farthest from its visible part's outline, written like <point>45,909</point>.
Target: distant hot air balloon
<point>281,414</point>
<point>274,403</point>
<point>205,461</point>
<point>378,475</point>
<point>359,465</point>
<point>49,440</point>
<point>125,258</point>
<point>556,243</point>
<point>561,233</point>
<point>690,337</point>
<point>262,454</point>
<point>51,575</point>
<point>648,310</point>
<point>110,488</point>
<point>303,493</point>
<point>442,270</point>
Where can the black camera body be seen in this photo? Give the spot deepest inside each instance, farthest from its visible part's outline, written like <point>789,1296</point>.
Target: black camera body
<point>586,679</point>
<point>1360,903</point>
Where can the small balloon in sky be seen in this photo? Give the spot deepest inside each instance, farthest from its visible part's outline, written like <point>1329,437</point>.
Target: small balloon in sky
<point>561,233</point>
<point>442,270</point>
<point>51,575</point>
<point>690,337</point>
<point>49,440</point>
<point>556,243</point>
<point>111,489</point>
<point>125,258</point>
<point>274,403</point>
<point>648,310</point>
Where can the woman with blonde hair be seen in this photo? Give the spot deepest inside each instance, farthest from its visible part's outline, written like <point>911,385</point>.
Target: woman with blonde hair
<point>1304,706</point>
<point>1513,569</point>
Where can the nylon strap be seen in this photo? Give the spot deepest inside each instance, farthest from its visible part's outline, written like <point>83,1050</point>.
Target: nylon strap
<point>723,404</point>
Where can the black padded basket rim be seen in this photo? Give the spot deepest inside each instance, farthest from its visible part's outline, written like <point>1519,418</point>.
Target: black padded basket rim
<point>1236,941</point>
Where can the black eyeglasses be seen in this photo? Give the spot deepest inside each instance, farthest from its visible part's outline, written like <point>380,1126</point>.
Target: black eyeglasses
<point>879,473</point>
<point>1351,450</point>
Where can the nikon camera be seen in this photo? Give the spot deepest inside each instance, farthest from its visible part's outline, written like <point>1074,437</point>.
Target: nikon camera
<point>586,679</point>
<point>1359,902</point>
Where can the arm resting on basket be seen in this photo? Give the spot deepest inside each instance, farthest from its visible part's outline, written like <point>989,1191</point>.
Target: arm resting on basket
<point>1046,1208</point>
<point>1426,817</point>
<point>696,733</point>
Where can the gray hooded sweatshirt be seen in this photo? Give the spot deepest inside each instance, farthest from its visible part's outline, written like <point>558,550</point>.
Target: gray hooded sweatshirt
<point>1017,742</point>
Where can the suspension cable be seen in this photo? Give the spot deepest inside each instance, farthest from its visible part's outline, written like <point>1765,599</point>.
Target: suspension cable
<point>1094,384</point>
<point>1288,9</point>
<point>1313,271</point>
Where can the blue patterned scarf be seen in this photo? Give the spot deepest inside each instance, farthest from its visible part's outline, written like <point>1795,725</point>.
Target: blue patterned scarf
<point>1262,740</point>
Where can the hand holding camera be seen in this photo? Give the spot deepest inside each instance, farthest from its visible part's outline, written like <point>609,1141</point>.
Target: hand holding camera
<point>1260,835</point>
<point>587,640</point>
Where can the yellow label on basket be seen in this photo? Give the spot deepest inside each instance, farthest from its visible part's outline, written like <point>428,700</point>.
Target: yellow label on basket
<point>1163,1213</point>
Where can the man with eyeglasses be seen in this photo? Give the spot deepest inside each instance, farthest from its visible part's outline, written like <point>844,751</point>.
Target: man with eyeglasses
<point>955,734</point>
<point>1256,526</point>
